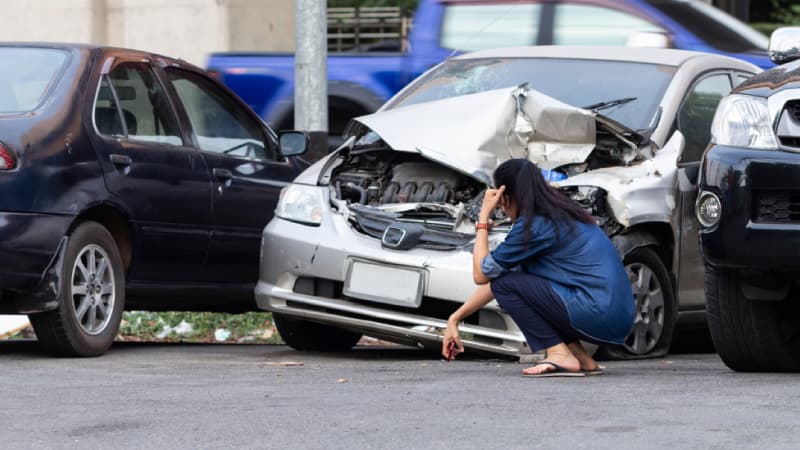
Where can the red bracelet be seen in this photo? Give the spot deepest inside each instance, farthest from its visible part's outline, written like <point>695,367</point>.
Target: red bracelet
<point>483,226</point>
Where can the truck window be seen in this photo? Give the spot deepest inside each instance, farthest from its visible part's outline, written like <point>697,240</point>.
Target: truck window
<point>593,25</point>
<point>477,27</point>
<point>712,25</point>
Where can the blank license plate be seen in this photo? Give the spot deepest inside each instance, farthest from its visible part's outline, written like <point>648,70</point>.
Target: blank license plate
<point>385,284</point>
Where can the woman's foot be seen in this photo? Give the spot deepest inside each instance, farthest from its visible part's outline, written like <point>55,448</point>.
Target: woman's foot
<point>587,363</point>
<point>560,355</point>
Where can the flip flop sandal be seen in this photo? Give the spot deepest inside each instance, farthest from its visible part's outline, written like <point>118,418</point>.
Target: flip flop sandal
<point>593,372</point>
<point>557,372</point>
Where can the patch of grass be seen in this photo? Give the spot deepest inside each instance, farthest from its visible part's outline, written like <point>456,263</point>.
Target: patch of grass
<point>144,326</point>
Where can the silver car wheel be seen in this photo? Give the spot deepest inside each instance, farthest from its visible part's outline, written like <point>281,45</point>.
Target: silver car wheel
<point>92,289</point>
<point>649,320</point>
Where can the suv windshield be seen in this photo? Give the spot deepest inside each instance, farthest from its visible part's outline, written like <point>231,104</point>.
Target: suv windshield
<point>577,82</point>
<point>27,74</point>
<point>718,29</point>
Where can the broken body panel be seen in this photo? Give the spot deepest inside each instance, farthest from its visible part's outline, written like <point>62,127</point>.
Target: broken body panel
<point>587,148</point>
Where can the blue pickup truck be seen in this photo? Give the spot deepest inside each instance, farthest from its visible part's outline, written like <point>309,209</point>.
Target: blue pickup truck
<point>359,83</point>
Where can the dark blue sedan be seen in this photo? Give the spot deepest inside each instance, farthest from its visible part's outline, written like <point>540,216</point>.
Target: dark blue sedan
<point>128,180</point>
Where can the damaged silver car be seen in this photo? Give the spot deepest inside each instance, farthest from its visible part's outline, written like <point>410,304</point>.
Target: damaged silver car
<point>376,238</point>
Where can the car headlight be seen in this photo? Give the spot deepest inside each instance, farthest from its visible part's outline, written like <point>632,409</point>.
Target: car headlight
<point>708,209</point>
<point>743,121</point>
<point>301,203</point>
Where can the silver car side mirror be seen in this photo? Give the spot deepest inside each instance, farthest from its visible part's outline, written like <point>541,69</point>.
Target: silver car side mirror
<point>784,45</point>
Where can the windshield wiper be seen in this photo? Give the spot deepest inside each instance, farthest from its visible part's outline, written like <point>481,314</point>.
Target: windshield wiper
<point>605,105</point>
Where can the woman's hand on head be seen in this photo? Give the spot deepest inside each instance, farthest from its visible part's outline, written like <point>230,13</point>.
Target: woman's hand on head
<point>451,337</point>
<point>490,201</point>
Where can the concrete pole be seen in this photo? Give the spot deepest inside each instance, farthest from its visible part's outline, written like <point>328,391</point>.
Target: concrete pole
<point>311,73</point>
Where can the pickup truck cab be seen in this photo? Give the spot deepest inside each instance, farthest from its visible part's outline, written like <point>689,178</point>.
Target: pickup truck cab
<point>359,83</point>
<point>749,208</point>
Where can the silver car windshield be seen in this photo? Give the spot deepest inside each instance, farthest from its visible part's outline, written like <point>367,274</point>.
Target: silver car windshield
<point>577,82</point>
<point>27,73</point>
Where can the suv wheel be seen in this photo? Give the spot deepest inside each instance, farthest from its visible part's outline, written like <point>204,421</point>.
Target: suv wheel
<point>312,336</point>
<point>751,335</point>
<point>92,296</point>
<point>656,309</point>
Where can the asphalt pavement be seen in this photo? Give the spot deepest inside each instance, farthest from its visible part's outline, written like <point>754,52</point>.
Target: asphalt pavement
<point>269,396</point>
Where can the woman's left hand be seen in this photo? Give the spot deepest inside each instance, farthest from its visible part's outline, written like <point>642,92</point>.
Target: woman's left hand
<point>490,201</point>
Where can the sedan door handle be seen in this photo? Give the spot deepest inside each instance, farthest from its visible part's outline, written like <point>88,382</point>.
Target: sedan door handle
<point>120,160</point>
<point>222,174</point>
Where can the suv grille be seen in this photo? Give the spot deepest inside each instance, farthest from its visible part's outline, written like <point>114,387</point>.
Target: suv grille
<point>792,109</point>
<point>777,207</point>
<point>790,141</point>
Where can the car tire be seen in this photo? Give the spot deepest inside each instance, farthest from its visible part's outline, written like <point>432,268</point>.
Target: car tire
<point>312,336</point>
<point>656,308</point>
<point>751,335</point>
<point>91,298</point>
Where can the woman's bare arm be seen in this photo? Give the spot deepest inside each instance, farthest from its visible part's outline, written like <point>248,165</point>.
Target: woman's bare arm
<point>479,298</point>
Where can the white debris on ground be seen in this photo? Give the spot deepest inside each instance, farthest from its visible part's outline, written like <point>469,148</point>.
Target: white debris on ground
<point>221,334</point>
<point>12,323</point>
<point>283,363</point>
<point>182,329</point>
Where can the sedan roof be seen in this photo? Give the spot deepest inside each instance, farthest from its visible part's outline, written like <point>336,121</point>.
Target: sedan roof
<point>68,46</point>
<point>667,57</point>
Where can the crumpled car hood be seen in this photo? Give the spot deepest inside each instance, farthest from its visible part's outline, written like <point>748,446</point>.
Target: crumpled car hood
<point>474,133</point>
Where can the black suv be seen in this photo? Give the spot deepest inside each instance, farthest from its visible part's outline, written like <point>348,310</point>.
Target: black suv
<point>128,180</point>
<point>749,206</point>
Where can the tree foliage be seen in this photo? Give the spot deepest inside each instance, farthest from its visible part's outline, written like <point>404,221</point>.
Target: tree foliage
<point>785,11</point>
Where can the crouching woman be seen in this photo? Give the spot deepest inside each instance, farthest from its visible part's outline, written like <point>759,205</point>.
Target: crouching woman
<point>556,274</point>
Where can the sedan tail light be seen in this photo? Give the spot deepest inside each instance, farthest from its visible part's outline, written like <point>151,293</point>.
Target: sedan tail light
<point>7,161</point>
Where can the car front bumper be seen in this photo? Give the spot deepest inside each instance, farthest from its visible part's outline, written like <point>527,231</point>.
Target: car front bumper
<point>304,268</point>
<point>758,190</point>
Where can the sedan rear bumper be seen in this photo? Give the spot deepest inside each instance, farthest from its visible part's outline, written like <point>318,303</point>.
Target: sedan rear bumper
<point>28,243</point>
<point>304,269</point>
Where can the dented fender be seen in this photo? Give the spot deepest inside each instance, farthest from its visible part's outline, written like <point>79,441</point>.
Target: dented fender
<point>644,191</point>
<point>46,295</point>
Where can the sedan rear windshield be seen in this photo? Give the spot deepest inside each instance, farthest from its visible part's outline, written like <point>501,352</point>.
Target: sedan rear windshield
<point>577,82</point>
<point>26,75</point>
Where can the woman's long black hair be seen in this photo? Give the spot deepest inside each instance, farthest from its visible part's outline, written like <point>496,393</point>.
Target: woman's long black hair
<point>526,186</point>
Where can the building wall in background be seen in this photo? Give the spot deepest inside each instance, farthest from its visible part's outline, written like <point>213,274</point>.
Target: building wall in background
<point>187,29</point>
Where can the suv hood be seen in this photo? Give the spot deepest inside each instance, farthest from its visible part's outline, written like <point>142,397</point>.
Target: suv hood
<point>474,133</point>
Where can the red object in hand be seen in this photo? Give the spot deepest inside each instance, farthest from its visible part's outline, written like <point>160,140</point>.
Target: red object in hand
<point>451,351</point>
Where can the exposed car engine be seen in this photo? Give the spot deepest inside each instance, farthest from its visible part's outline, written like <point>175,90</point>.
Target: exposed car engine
<point>380,188</point>
<point>379,178</point>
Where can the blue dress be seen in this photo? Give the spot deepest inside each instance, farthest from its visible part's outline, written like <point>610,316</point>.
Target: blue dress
<point>583,268</point>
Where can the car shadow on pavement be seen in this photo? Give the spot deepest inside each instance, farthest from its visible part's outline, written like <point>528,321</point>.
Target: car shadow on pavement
<point>692,341</point>
<point>28,347</point>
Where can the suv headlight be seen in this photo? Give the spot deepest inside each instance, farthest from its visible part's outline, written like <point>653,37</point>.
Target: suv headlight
<point>743,121</point>
<point>301,203</point>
